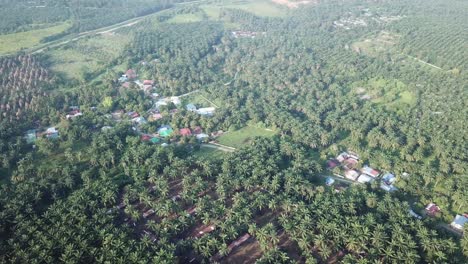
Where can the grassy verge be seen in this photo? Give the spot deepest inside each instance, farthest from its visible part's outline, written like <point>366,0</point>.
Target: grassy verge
<point>243,136</point>
<point>11,43</point>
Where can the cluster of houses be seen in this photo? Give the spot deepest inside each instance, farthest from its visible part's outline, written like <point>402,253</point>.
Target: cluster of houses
<point>32,135</point>
<point>345,166</point>
<point>204,111</point>
<point>246,34</point>
<point>131,76</point>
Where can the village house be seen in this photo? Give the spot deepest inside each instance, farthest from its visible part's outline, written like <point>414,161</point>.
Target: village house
<point>364,178</point>
<point>459,222</point>
<point>185,132</point>
<point>332,163</point>
<point>387,182</point>
<point>73,113</point>
<point>432,209</point>
<point>155,116</point>
<point>351,174</point>
<point>131,74</point>
<point>329,181</point>
<point>348,159</point>
<point>201,136</point>
<point>370,171</point>
<point>139,120</point>
<point>207,111</point>
<point>165,131</point>
<point>52,133</point>
<point>31,136</point>
<point>148,82</point>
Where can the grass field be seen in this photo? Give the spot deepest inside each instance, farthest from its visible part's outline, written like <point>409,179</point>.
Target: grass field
<point>375,45</point>
<point>243,136</point>
<point>11,43</point>
<point>259,8</point>
<point>186,18</point>
<point>209,153</point>
<point>87,56</point>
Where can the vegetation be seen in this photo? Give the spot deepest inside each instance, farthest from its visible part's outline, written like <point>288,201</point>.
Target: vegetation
<point>324,77</point>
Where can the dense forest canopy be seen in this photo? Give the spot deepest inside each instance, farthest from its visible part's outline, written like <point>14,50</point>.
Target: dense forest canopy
<point>138,160</point>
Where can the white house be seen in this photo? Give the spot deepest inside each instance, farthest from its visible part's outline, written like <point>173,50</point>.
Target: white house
<point>459,222</point>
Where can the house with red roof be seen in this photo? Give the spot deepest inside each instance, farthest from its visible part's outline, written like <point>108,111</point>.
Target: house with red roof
<point>185,132</point>
<point>370,171</point>
<point>148,82</point>
<point>131,74</point>
<point>432,209</point>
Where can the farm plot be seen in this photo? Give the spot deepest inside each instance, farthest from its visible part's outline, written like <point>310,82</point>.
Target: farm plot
<point>376,45</point>
<point>87,56</point>
<point>260,8</point>
<point>244,136</point>
<point>11,43</point>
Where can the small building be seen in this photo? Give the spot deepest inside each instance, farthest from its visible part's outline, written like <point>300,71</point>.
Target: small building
<point>364,178</point>
<point>370,171</point>
<point>155,140</point>
<point>191,108</point>
<point>388,178</point>
<point>388,188</point>
<point>351,174</point>
<point>342,157</point>
<point>145,137</point>
<point>132,114</point>
<point>31,136</point>
<point>123,78</point>
<point>332,163</point>
<point>131,74</point>
<point>139,120</point>
<point>165,131</point>
<point>206,111</point>
<point>202,136</point>
<point>74,113</point>
<point>52,133</point>
<point>148,82</point>
<point>155,116</point>
<point>185,132</point>
<point>413,214</point>
<point>329,181</point>
<point>175,100</point>
<point>459,222</point>
<point>432,209</point>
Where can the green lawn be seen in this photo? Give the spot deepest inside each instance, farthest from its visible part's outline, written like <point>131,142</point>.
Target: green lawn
<point>243,136</point>
<point>87,56</point>
<point>185,18</point>
<point>258,7</point>
<point>12,43</point>
<point>209,153</point>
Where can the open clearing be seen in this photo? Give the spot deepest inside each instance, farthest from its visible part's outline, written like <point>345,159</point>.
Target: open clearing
<point>11,43</point>
<point>87,56</point>
<point>259,8</point>
<point>376,45</point>
<point>243,136</point>
<point>185,18</point>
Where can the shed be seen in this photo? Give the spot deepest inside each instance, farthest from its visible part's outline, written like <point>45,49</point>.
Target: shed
<point>351,174</point>
<point>432,209</point>
<point>459,222</point>
<point>329,181</point>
